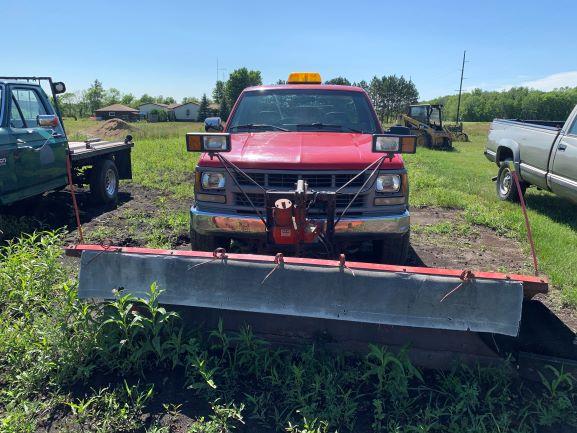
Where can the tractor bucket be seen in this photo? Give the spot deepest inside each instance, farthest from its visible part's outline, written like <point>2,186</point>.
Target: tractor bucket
<point>277,293</point>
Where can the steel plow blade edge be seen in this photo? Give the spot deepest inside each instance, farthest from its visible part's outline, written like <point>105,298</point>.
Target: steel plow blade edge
<point>308,288</point>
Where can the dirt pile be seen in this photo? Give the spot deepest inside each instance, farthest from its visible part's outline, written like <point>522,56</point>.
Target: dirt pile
<point>111,128</point>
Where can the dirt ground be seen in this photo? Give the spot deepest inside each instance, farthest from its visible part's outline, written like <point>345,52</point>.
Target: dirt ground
<point>111,128</point>
<point>479,248</point>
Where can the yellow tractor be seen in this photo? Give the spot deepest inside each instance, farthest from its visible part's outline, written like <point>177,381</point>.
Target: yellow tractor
<point>426,122</point>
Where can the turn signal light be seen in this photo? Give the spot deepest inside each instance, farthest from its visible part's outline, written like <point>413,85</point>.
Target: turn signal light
<point>208,142</point>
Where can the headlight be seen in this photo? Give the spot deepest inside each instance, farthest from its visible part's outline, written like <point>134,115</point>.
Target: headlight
<point>388,183</point>
<point>216,142</point>
<point>383,143</point>
<point>212,180</point>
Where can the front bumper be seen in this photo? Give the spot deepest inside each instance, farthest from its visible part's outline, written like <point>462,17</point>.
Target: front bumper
<point>210,223</point>
<point>490,155</point>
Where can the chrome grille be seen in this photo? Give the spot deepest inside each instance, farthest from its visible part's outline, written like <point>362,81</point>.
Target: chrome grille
<point>341,179</point>
<point>282,180</point>
<point>256,198</point>
<point>342,200</point>
<point>318,180</point>
<point>314,180</point>
<point>257,177</point>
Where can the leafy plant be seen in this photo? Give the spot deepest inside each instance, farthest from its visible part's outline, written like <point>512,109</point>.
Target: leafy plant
<point>137,333</point>
<point>223,419</point>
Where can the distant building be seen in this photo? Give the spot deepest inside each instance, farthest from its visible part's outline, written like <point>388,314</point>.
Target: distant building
<point>145,109</point>
<point>176,112</point>
<point>185,112</point>
<point>117,111</point>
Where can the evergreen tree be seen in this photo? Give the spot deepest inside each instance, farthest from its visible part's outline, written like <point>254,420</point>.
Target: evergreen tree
<point>224,111</point>
<point>218,94</point>
<point>203,111</point>
<point>341,81</point>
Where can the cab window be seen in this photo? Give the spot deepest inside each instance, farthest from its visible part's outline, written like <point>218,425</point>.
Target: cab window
<point>16,120</point>
<point>26,106</point>
<point>419,113</point>
<point>303,110</point>
<point>435,118</point>
<point>573,129</point>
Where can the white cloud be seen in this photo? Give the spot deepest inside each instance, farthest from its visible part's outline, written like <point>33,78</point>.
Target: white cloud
<point>550,82</point>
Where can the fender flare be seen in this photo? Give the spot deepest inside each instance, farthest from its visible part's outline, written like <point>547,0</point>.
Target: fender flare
<point>511,145</point>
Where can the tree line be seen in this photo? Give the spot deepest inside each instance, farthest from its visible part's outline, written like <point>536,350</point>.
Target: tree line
<point>389,94</point>
<point>516,103</point>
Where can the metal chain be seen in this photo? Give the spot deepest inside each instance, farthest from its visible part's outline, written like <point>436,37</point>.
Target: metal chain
<point>343,264</point>
<point>465,277</point>
<point>279,261</point>
<point>219,253</point>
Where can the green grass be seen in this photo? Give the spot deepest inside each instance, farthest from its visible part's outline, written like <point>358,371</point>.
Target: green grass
<point>462,179</point>
<point>75,129</point>
<point>77,366</point>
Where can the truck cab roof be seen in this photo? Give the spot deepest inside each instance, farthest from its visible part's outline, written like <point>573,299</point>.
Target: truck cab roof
<point>335,87</point>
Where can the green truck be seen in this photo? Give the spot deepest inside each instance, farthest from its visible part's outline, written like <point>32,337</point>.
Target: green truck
<point>35,152</point>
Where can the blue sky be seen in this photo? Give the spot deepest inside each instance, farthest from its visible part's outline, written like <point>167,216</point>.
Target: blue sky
<point>171,47</point>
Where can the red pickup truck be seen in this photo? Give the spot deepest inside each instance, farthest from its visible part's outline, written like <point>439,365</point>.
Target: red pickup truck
<point>322,134</point>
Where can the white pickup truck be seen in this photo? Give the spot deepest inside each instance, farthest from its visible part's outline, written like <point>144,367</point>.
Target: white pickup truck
<point>544,154</point>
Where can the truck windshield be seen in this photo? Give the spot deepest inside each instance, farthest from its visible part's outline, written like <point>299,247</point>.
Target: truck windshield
<point>303,110</point>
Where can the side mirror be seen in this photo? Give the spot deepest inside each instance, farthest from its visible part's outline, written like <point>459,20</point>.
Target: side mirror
<point>47,120</point>
<point>208,142</point>
<point>213,124</point>
<point>58,87</point>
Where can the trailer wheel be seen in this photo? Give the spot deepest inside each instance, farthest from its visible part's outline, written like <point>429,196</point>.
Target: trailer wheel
<point>200,242</point>
<point>506,186</point>
<point>393,250</point>
<point>104,182</point>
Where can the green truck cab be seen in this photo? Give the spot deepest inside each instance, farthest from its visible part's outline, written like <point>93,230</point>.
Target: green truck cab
<point>34,148</point>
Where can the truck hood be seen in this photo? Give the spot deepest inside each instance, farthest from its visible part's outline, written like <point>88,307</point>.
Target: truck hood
<point>302,151</point>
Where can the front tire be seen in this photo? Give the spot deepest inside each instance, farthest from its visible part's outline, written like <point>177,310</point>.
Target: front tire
<point>393,250</point>
<point>104,182</point>
<point>506,186</point>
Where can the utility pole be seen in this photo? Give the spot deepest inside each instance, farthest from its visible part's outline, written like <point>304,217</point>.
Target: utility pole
<point>218,71</point>
<point>461,86</point>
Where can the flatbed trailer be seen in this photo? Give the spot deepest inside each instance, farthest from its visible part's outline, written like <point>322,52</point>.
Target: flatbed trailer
<point>36,156</point>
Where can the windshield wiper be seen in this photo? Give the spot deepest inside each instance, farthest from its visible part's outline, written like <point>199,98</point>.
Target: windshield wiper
<point>326,125</point>
<point>258,125</point>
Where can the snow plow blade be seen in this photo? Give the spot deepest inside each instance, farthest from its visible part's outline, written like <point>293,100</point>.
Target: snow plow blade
<point>412,297</point>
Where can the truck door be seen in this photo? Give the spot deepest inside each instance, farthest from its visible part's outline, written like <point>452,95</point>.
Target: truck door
<point>7,174</point>
<point>563,176</point>
<point>39,154</point>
